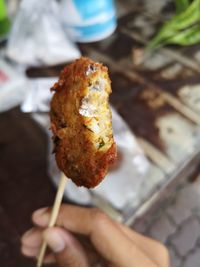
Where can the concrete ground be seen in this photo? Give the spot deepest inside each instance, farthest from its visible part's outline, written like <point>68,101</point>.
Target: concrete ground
<point>177,224</point>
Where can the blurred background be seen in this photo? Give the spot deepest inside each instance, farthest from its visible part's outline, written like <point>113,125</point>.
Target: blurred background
<point>152,50</point>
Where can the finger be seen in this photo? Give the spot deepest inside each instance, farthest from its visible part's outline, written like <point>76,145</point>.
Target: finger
<point>93,255</point>
<point>49,258</point>
<point>33,253</point>
<point>29,251</point>
<point>67,250</point>
<point>152,248</point>
<point>32,238</point>
<point>41,213</point>
<point>107,238</point>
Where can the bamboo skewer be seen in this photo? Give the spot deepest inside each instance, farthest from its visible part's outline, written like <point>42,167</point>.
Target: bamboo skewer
<point>54,215</point>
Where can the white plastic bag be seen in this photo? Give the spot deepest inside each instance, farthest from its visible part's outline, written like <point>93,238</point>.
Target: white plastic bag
<point>37,36</point>
<point>122,185</point>
<point>12,86</point>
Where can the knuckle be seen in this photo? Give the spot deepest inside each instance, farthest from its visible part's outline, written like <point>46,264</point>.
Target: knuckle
<point>163,252</point>
<point>99,217</point>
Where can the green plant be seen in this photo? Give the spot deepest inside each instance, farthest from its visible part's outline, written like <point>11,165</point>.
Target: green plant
<point>182,29</point>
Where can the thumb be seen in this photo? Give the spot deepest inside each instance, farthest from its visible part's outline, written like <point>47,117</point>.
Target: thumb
<point>66,248</point>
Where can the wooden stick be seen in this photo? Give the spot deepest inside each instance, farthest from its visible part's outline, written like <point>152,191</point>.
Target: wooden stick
<point>54,215</point>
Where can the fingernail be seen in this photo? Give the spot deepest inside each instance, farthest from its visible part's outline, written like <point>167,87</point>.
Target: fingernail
<point>28,233</point>
<point>55,241</point>
<point>41,216</point>
<point>40,212</point>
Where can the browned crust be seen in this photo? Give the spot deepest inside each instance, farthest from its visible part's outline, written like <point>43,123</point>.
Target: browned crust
<point>94,171</point>
<point>76,71</point>
<point>74,151</point>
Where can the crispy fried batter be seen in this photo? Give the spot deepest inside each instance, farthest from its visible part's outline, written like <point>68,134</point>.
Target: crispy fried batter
<point>81,122</point>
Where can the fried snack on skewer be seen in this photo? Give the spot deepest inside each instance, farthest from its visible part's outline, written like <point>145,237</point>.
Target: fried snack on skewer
<point>81,122</point>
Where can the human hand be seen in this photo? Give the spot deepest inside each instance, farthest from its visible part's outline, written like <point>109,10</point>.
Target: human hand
<point>84,236</point>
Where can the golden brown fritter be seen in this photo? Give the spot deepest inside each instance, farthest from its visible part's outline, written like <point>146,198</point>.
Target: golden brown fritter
<point>81,122</point>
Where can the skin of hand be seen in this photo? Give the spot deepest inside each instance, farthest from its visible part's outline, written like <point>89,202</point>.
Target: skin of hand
<point>83,237</point>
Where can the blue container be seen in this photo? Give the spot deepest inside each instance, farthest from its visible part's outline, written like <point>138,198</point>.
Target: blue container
<point>89,20</point>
